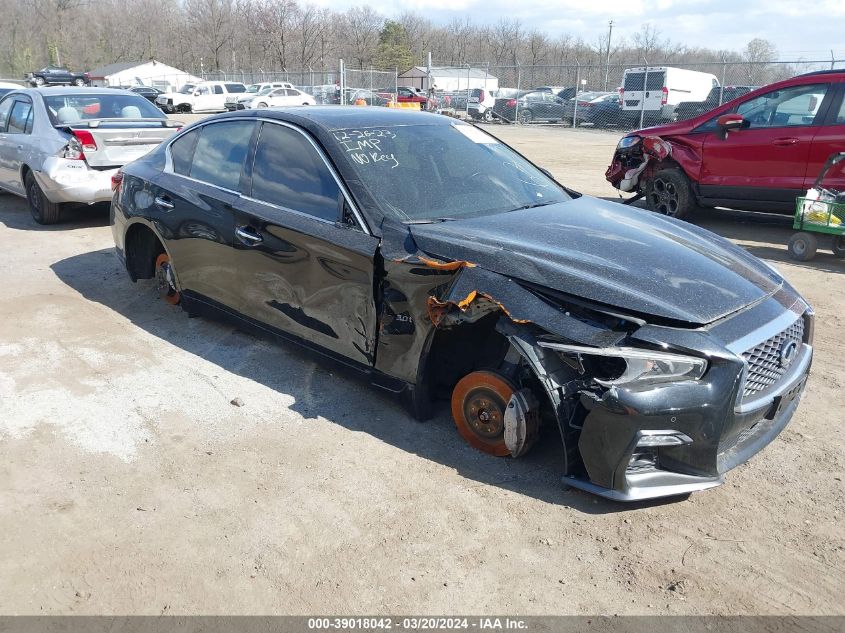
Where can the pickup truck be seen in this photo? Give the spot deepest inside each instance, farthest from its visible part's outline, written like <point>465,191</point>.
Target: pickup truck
<point>56,76</point>
<point>206,96</point>
<point>718,95</point>
<point>239,101</point>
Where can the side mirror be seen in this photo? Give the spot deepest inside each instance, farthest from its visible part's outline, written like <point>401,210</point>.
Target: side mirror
<point>730,122</point>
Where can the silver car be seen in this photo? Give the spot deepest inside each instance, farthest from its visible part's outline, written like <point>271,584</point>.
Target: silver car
<point>62,145</point>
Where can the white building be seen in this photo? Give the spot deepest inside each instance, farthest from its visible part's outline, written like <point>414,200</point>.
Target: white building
<point>150,73</point>
<point>448,79</point>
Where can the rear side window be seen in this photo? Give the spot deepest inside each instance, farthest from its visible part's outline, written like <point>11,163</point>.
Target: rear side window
<point>218,90</point>
<point>220,153</point>
<point>288,172</point>
<point>5,109</point>
<point>182,152</point>
<point>235,88</point>
<point>20,121</point>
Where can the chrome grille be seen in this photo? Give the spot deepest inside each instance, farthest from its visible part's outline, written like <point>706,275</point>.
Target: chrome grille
<point>766,365</point>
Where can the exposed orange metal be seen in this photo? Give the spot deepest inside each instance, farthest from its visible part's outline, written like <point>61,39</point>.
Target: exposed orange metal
<point>171,296</point>
<point>478,408</point>
<point>432,263</point>
<point>437,309</point>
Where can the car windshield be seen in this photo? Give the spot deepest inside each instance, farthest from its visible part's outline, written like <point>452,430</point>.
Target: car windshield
<point>186,89</point>
<point>253,88</point>
<point>265,91</point>
<point>429,173</point>
<point>69,109</point>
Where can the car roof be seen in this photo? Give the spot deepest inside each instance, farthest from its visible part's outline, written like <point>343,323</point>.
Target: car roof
<point>65,91</point>
<point>332,117</point>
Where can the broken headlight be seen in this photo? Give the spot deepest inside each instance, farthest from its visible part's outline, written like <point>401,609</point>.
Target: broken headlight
<point>633,366</point>
<point>627,142</point>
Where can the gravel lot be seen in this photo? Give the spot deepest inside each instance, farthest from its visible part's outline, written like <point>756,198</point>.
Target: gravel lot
<point>129,484</point>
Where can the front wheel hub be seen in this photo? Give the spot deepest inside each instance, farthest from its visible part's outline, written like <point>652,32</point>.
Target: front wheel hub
<point>479,401</point>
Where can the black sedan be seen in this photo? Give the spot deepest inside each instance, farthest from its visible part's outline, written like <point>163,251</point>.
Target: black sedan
<point>148,92</point>
<point>659,354</point>
<point>538,105</point>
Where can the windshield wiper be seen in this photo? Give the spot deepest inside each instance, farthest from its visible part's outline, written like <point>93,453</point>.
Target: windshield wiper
<point>429,220</point>
<point>533,205</point>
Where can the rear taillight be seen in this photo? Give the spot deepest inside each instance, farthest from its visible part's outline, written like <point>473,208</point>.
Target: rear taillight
<point>511,103</point>
<point>621,93</point>
<point>86,139</point>
<point>116,181</point>
<point>481,97</point>
<point>82,141</point>
<point>665,98</point>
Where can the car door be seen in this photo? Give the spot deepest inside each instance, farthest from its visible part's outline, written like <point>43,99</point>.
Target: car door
<point>302,270</point>
<point>829,139</point>
<point>203,98</point>
<point>15,142</point>
<point>5,143</point>
<point>193,204</point>
<point>767,161</point>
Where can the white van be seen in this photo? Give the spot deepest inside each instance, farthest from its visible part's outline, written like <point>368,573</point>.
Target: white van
<point>658,89</point>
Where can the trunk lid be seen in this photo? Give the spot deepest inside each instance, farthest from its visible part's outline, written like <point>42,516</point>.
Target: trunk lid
<point>118,144</point>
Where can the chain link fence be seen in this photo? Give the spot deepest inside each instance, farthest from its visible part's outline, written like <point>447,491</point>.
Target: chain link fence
<point>622,96</point>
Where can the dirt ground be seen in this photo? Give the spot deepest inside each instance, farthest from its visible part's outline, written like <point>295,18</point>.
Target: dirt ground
<point>130,485</point>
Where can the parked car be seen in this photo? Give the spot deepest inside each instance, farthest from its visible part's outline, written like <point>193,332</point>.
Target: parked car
<point>238,101</point>
<point>581,101</point>
<point>281,97</point>
<point>367,96</point>
<point>56,75</point>
<point>529,106</point>
<point>480,105</point>
<point>148,92</point>
<point>718,95</point>
<point>406,94</point>
<point>7,86</point>
<point>439,263</point>
<point>654,92</point>
<point>60,145</point>
<point>207,96</point>
<point>757,152</point>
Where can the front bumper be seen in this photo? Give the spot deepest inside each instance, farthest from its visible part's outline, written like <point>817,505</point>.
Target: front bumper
<point>722,429</point>
<point>64,180</point>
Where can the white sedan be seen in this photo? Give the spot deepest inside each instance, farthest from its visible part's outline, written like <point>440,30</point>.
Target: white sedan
<point>282,97</point>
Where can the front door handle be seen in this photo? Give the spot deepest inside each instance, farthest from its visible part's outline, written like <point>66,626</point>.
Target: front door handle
<point>248,236</point>
<point>163,202</point>
<point>785,142</point>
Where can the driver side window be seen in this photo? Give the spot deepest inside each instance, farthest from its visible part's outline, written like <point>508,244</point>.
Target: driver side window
<point>788,107</point>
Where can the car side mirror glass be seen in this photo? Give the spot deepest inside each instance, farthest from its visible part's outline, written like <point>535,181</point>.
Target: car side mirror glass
<point>730,122</point>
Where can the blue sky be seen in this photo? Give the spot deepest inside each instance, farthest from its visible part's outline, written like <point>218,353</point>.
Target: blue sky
<point>807,29</point>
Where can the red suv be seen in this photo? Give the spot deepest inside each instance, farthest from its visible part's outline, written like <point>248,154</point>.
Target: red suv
<point>757,152</point>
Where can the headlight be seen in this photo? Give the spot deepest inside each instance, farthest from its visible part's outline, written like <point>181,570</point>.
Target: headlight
<point>638,366</point>
<point>628,141</point>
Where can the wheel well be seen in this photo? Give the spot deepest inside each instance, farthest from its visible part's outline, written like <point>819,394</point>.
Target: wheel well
<point>141,247</point>
<point>24,171</point>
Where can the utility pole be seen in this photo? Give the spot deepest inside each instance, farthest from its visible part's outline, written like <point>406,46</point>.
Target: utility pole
<point>607,56</point>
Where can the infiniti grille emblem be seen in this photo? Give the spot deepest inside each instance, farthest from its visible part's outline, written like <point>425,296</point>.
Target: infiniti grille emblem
<point>787,353</point>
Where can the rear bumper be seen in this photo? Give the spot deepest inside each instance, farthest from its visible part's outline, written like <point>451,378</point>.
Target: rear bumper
<point>64,180</point>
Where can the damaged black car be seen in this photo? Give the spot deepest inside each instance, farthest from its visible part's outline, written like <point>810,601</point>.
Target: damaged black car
<point>442,264</point>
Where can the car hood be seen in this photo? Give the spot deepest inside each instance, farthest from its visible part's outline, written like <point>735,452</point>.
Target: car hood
<point>611,254</point>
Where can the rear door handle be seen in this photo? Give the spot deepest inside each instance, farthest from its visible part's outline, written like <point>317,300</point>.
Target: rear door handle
<point>163,202</point>
<point>783,142</point>
<point>248,236</point>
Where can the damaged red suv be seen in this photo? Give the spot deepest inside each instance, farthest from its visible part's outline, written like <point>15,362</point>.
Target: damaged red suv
<point>758,152</point>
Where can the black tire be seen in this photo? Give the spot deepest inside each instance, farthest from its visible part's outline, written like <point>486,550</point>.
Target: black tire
<point>79,82</point>
<point>184,108</point>
<point>487,117</point>
<point>668,193</point>
<point>42,210</point>
<point>803,246</point>
<point>261,105</point>
<point>838,246</point>
<point>525,117</point>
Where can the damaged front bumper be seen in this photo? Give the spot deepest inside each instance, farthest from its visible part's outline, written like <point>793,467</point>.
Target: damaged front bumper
<point>679,438</point>
<point>65,180</point>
